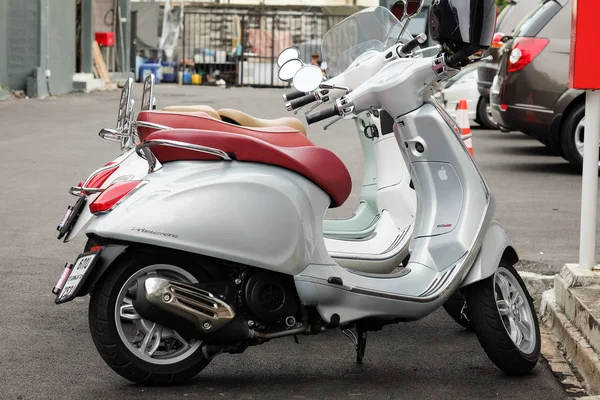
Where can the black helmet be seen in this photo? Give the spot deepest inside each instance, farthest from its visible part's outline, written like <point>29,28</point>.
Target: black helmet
<point>463,26</point>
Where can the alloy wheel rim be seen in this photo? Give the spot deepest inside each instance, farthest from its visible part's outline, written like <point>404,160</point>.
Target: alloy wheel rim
<point>488,111</point>
<point>579,136</point>
<point>152,342</point>
<point>516,314</point>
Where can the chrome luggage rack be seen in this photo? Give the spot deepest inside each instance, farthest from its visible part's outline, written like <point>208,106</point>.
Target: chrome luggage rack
<point>125,132</point>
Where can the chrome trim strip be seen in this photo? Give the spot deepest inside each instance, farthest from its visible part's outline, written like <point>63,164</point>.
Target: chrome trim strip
<point>150,125</point>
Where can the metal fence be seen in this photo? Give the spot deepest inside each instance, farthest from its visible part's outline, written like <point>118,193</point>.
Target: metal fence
<point>242,47</point>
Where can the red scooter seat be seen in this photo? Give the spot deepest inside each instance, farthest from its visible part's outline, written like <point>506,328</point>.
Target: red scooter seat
<point>278,136</point>
<point>317,164</point>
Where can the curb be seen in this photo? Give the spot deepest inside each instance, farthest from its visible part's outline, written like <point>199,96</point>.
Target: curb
<point>577,349</point>
<point>537,284</point>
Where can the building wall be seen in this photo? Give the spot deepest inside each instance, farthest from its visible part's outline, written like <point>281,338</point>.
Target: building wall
<point>61,45</point>
<point>35,36</point>
<point>19,44</point>
<point>3,44</point>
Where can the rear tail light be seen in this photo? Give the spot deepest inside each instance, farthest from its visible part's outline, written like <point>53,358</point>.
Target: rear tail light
<point>524,51</point>
<point>113,195</point>
<point>101,177</point>
<point>497,40</point>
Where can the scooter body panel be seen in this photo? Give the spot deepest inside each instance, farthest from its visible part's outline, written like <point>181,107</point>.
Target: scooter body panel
<point>254,214</point>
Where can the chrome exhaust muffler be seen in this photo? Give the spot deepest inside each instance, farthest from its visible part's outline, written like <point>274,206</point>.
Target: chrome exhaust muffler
<point>162,301</point>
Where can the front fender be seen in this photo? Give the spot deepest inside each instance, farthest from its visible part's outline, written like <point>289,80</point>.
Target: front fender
<point>495,247</point>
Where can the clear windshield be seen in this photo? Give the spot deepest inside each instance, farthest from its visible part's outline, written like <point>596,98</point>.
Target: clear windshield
<point>364,33</point>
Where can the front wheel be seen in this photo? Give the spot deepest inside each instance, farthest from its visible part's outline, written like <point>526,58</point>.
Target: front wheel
<point>137,349</point>
<point>505,322</point>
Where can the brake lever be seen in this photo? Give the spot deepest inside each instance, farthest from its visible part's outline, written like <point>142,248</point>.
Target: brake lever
<point>336,119</point>
<point>420,51</point>
<point>331,87</point>
<point>317,104</point>
<point>486,58</point>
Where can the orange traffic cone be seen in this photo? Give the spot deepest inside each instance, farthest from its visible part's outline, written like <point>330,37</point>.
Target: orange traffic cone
<point>462,119</point>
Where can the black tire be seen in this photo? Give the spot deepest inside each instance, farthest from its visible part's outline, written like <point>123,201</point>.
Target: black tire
<point>107,339</point>
<point>483,118</point>
<point>454,307</point>
<point>568,136</point>
<point>490,329</point>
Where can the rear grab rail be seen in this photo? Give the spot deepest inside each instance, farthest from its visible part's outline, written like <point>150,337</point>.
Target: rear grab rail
<point>144,147</point>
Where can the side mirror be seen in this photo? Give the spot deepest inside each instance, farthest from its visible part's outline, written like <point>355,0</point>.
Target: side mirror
<point>413,7</point>
<point>399,9</point>
<point>286,55</point>
<point>289,69</point>
<point>308,78</point>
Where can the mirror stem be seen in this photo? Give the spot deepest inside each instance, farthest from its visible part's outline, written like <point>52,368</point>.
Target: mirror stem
<point>404,28</point>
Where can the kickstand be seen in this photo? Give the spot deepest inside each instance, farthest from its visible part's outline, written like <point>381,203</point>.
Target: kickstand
<point>359,342</point>
<point>361,346</point>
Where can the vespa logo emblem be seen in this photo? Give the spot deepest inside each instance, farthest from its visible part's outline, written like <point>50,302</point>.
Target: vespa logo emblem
<point>443,174</point>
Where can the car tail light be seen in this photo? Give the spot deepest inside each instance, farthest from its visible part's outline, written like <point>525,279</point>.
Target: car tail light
<point>112,195</point>
<point>101,177</point>
<point>497,40</point>
<point>524,51</point>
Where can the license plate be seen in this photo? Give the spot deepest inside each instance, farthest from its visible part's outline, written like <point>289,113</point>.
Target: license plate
<point>79,272</point>
<point>71,215</point>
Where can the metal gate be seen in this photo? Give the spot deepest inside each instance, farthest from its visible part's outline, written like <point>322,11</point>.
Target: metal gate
<point>242,47</point>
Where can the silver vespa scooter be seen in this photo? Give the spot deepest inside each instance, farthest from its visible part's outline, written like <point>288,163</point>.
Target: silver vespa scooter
<point>222,247</point>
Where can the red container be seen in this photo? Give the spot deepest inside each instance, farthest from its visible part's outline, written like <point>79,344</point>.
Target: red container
<point>105,39</point>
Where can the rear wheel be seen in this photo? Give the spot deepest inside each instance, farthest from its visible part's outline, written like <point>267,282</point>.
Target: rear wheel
<point>505,322</point>
<point>484,114</point>
<point>456,307</point>
<point>138,349</point>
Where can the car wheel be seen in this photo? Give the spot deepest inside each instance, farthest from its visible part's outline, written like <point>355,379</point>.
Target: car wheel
<point>572,134</point>
<point>484,114</point>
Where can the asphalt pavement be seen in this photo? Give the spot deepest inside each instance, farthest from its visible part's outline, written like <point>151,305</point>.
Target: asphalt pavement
<point>46,351</point>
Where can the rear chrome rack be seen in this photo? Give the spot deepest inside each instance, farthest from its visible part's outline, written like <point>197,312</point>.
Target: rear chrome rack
<point>180,145</point>
<point>125,132</point>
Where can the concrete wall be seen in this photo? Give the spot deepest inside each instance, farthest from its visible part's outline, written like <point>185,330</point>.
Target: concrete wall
<point>60,43</point>
<point>35,36</point>
<point>19,41</point>
<point>3,44</point>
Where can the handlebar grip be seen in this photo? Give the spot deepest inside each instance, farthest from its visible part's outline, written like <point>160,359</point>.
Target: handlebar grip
<point>302,101</point>
<point>321,115</point>
<point>413,44</point>
<point>293,95</point>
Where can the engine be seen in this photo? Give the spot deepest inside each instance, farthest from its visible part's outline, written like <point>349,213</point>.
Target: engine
<point>271,298</point>
<point>254,305</point>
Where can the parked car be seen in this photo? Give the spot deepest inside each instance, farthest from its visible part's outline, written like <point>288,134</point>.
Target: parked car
<point>530,93</point>
<point>463,86</point>
<point>508,19</point>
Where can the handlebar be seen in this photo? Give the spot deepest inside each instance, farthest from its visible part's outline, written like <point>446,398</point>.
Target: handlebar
<point>293,95</point>
<point>302,101</point>
<point>321,115</point>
